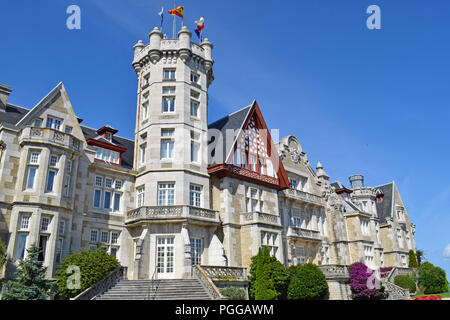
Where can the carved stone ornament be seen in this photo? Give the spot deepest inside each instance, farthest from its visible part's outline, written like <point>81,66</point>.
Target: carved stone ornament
<point>334,203</point>
<point>295,156</point>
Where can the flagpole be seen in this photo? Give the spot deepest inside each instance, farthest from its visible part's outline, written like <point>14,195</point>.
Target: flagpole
<point>174,19</point>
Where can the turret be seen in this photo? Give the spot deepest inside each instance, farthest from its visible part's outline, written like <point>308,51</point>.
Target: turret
<point>356,181</point>
<point>207,47</point>
<point>155,45</point>
<point>184,43</point>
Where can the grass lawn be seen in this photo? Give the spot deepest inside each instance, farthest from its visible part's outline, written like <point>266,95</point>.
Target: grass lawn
<point>443,295</point>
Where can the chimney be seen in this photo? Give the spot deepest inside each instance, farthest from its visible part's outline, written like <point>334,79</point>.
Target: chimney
<point>356,181</point>
<point>4,93</point>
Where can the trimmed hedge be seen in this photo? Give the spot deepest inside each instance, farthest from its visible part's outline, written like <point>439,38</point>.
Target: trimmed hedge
<point>233,293</point>
<point>94,266</point>
<point>307,283</point>
<point>406,282</point>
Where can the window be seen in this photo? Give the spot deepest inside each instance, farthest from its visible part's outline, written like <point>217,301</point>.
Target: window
<point>167,143</point>
<point>67,179</point>
<point>364,227</point>
<point>107,200</point>
<point>140,196</point>
<point>145,80</point>
<point>94,236</point>
<point>108,183</point>
<point>62,227</point>
<point>196,251</point>
<point>53,123</point>
<point>97,197</point>
<point>60,250</point>
<point>104,238</point>
<point>195,78</point>
<point>270,168</point>
<point>400,238</point>
<point>34,158</point>
<point>195,94</point>
<point>195,195</point>
<point>169,74</point>
<point>368,256</point>
<point>118,184</point>
<point>297,222</point>
<point>50,180</point>
<point>116,202</point>
<point>69,166</point>
<point>169,90</point>
<point>145,110</point>
<point>108,136</point>
<point>195,146</point>
<point>364,205</point>
<point>302,183</point>
<point>37,122</point>
<point>194,108</point>
<point>114,237</point>
<point>42,247</point>
<point>253,203</point>
<point>253,162</point>
<point>21,245</point>
<point>269,239</point>
<point>53,160</point>
<point>293,183</point>
<point>45,222</point>
<point>142,149</point>
<point>107,155</point>
<point>68,129</point>
<point>24,222</point>
<point>166,194</point>
<point>99,181</point>
<point>168,104</point>
<point>31,175</point>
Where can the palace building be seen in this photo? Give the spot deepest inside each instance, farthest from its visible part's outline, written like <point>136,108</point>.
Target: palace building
<point>183,192</point>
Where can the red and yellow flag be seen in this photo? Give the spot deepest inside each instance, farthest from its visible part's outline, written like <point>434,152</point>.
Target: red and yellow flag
<point>177,11</point>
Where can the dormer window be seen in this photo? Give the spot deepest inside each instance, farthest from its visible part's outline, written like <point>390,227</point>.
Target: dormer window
<point>107,155</point>
<point>109,136</point>
<point>53,123</point>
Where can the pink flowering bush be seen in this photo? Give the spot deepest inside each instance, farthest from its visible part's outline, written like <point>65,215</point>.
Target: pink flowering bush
<point>359,277</point>
<point>384,272</point>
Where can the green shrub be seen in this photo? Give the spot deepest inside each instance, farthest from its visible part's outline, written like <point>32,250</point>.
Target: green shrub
<point>264,284</point>
<point>406,282</point>
<point>233,293</point>
<point>94,266</point>
<point>307,283</point>
<point>412,260</point>
<point>432,278</point>
<point>277,273</point>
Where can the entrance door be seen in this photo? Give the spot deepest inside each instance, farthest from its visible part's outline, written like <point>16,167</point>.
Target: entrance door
<point>165,255</point>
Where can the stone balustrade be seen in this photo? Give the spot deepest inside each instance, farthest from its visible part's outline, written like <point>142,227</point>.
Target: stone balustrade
<point>225,273</point>
<point>199,273</point>
<point>303,196</point>
<point>305,233</point>
<point>260,217</point>
<point>172,212</point>
<point>49,135</point>
<point>335,271</point>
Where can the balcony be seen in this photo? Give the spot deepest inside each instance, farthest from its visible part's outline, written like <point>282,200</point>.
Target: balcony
<point>335,271</point>
<point>50,136</point>
<point>167,213</point>
<point>260,217</point>
<point>305,234</point>
<point>302,196</point>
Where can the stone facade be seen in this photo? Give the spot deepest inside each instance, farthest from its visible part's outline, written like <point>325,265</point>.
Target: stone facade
<point>184,191</point>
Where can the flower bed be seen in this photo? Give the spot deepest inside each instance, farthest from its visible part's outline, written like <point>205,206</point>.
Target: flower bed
<point>429,298</point>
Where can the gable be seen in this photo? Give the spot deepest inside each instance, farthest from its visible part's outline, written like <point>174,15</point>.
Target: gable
<point>251,155</point>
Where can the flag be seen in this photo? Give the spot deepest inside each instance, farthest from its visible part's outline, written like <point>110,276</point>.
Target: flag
<point>161,14</point>
<point>200,26</point>
<point>178,11</point>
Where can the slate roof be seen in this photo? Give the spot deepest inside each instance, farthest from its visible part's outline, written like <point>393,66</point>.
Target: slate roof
<point>232,121</point>
<point>337,185</point>
<point>14,113</point>
<point>384,208</point>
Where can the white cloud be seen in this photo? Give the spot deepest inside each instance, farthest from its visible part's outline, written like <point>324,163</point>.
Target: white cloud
<point>446,252</point>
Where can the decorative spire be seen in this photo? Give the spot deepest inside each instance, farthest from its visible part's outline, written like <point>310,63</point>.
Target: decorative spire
<point>320,172</point>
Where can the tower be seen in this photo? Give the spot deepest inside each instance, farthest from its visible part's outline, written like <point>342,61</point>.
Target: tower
<point>172,183</point>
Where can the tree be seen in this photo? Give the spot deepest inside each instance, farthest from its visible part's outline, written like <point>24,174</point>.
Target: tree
<point>31,283</point>
<point>406,282</point>
<point>307,282</point>
<point>412,260</point>
<point>432,279</point>
<point>94,266</point>
<point>264,284</point>
<point>3,256</point>
<point>420,256</point>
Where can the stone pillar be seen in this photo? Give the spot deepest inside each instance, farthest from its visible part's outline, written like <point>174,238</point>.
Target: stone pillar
<point>187,251</point>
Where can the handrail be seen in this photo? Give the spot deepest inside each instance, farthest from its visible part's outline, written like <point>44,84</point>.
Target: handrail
<point>153,287</point>
<point>101,286</point>
<point>207,283</point>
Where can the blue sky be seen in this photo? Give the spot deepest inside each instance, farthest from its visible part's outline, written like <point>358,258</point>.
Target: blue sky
<point>374,102</point>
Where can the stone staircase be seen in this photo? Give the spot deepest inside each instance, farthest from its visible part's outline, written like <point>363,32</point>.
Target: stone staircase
<point>173,289</point>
